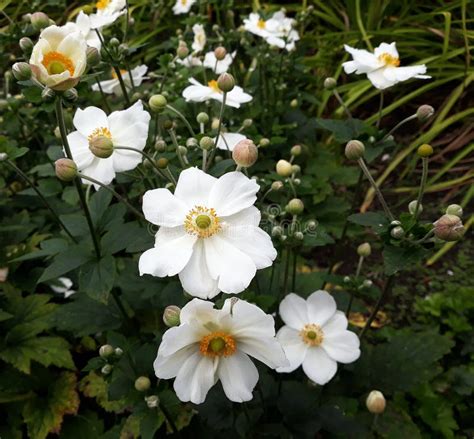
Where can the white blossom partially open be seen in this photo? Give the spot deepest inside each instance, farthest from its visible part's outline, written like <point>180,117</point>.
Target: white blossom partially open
<point>208,234</point>
<point>112,86</point>
<point>213,345</point>
<point>198,92</point>
<point>108,11</point>
<point>382,66</point>
<point>218,67</point>
<point>124,128</point>
<point>200,38</point>
<point>315,335</point>
<point>183,6</point>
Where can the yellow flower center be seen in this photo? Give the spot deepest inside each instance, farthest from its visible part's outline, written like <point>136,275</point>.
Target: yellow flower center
<point>312,334</point>
<point>122,73</point>
<point>99,132</point>
<point>261,24</point>
<point>57,63</point>
<point>217,344</point>
<point>184,2</point>
<point>102,4</point>
<point>389,60</point>
<point>202,222</point>
<point>213,84</point>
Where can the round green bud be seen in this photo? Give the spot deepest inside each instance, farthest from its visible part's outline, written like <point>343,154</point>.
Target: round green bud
<point>296,150</point>
<point>425,150</point>
<point>284,168</point>
<point>3,156</point>
<point>202,118</point>
<point>21,71</point>
<point>191,143</point>
<point>162,163</point>
<point>294,103</point>
<point>66,169</point>
<point>118,352</point>
<point>449,228</point>
<point>277,185</point>
<point>142,384</point>
<point>106,369</point>
<point>364,250</point>
<point>226,82</point>
<point>157,103</point>
<point>330,83</point>
<point>206,143</point>
<point>311,225</point>
<point>297,181</point>
<point>182,51</point>
<point>264,142</point>
<point>220,53</point>
<point>346,279</point>
<point>168,125</point>
<point>101,146</point>
<point>26,45</point>
<point>182,150</point>
<point>114,42</point>
<point>295,169</point>
<point>454,209</point>
<point>247,123</point>
<point>295,206</point>
<point>367,283</point>
<point>277,231</point>
<point>171,315</point>
<point>299,236</point>
<point>92,56</point>
<point>395,223</point>
<point>354,150</point>
<point>424,112</point>
<point>245,153</point>
<point>375,402</point>
<point>106,351</point>
<point>160,145</point>
<point>39,20</point>
<point>397,232</point>
<point>412,207</point>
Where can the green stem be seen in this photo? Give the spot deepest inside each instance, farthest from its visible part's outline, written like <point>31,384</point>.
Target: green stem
<point>221,117</point>
<point>342,103</point>
<point>398,125</point>
<point>169,419</point>
<point>77,180</point>
<point>379,118</point>
<point>143,153</point>
<point>287,269</point>
<point>351,299</point>
<point>183,118</point>
<point>424,177</point>
<point>104,98</point>
<point>176,145</point>
<point>119,303</point>
<point>361,26</point>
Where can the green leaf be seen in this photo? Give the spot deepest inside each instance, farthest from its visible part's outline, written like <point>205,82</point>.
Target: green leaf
<point>396,424</point>
<point>120,236</point>
<point>398,258</point>
<point>376,220</point>
<point>343,130</point>
<point>32,94</point>
<point>150,424</point>
<point>94,386</point>
<point>96,278</point>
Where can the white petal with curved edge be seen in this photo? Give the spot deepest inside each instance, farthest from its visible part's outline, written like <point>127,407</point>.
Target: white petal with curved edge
<point>321,307</point>
<point>379,80</point>
<point>247,217</point>
<point>126,160</point>
<point>265,349</point>
<point>89,119</point>
<point>197,93</point>
<point>168,367</point>
<point>342,346</point>
<point>363,61</point>
<point>238,376</point>
<point>54,35</point>
<point>232,193</point>
<point>108,86</point>
<point>80,151</point>
<point>294,311</point>
<point>227,141</point>
<point>194,186</point>
<point>74,47</point>
<point>390,49</point>
<point>404,73</point>
<point>195,377</point>
<point>337,323</point>
<point>293,346</point>
<point>162,208</point>
<point>318,367</point>
<point>172,251</point>
<point>197,309</point>
<point>101,170</point>
<point>195,277</point>
<point>177,338</point>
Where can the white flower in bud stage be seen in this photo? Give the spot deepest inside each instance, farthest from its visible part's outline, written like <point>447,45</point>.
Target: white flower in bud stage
<point>108,11</point>
<point>315,335</point>
<point>382,66</point>
<point>112,86</point>
<point>227,141</point>
<point>59,58</point>
<point>208,234</point>
<point>199,38</point>
<point>63,285</point>
<point>218,67</point>
<point>124,128</point>
<point>215,344</point>
<point>183,6</point>
<point>198,92</point>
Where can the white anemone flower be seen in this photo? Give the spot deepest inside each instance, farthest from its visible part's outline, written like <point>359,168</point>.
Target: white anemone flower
<point>382,66</point>
<point>198,92</point>
<point>315,335</point>
<point>112,86</point>
<point>59,58</point>
<point>218,67</point>
<point>83,24</point>
<point>208,234</point>
<point>63,286</point>
<point>108,11</point>
<point>183,6</point>
<point>227,141</point>
<point>200,38</point>
<point>212,344</point>
<point>127,128</point>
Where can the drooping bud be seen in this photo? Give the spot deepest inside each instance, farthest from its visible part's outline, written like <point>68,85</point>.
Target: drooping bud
<point>26,45</point>
<point>283,168</point>
<point>412,207</point>
<point>397,232</point>
<point>375,402</point>
<point>106,350</point>
<point>39,20</point>
<point>355,150</point>
<point>454,209</point>
<point>364,250</point>
<point>171,314</point>
<point>264,142</point>
<point>92,56</point>
<point>157,103</point>
<point>66,169</point>
<point>21,71</point>
<point>296,150</point>
<point>101,146</point>
<point>277,185</point>
<point>142,384</point>
<point>226,82</point>
<point>425,150</point>
<point>220,53</point>
<point>202,118</point>
<point>330,83</point>
<point>424,112</point>
<point>206,143</point>
<point>295,206</point>
<point>449,228</point>
<point>245,153</point>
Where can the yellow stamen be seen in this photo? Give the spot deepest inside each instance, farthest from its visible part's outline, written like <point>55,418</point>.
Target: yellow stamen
<point>122,73</point>
<point>389,60</point>
<point>102,4</point>
<point>184,2</point>
<point>261,24</point>
<point>213,84</point>
<point>202,222</point>
<point>312,334</point>
<point>217,344</point>
<point>57,63</point>
<point>102,131</point>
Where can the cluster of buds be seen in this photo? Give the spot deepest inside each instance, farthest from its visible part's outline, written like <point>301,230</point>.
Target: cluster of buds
<point>110,354</point>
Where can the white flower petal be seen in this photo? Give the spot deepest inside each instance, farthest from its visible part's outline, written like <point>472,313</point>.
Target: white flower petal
<point>109,86</point>
<point>318,367</point>
<point>101,170</point>
<point>363,61</point>
<point>162,208</point>
<point>321,307</point>
<point>246,217</point>
<point>294,311</point>
<point>379,80</point>
<point>89,119</point>
<point>390,49</point>
<point>168,367</point>
<point>337,323</point>
<point>227,141</point>
<point>293,346</point>
<point>265,349</point>
<point>194,186</point>
<point>238,376</point>
<point>179,337</point>
<point>130,127</point>
<point>404,73</point>
<point>197,309</point>
<point>80,151</point>
<point>342,347</point>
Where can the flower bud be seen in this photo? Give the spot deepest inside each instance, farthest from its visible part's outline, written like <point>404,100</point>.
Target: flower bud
<point>294,103</point>
<point>364,250</point>
<point>114,42</point>
<point>152,401</point>
<point>106,351</point>
<point>3,156</point>
<point>425,150</point>
<point>39,20</point>
<point>21,71</point>
<point>424,112</point>
<point>202,118</point>
<point>142,384</point>
<point>160,145</point>
<point>330,83</point>
<point>295,169</point>
<point>454,209</point>
<point>92,56</point>
<point>101,146</point>
<point>295,206</point>
<point>283,168</point>
<point>47,94</point>
<point>162,163</point>
<point>118,352</point>
<point>168,125</point>
<point>412,207</point>
<point>182,51</point>
<point>354,150</point>
<point>375,402</point>
<point>182,150</point>
<point>346,279</point>
<point>297,181</point>
<point>367,283</point>
<point>26,45</point>
<point>397,232</point>
<point>206,143</point>
<point>220,53</point>
<point>226,82</point>
<point>245,153</point>
<point>277,185</point>
<point>70,95</point>
<point>311,225</point>
<point>215,123</point>
<point>106,369</point>
<point>191,143</point>
<point>66,169</point>
<point>171,316</point>
<point>296,150</point>
<point>449,228</point>
<point>157,103</point>
<point>277,231</point>
<point>264,142</point>
<point>299,236</point>
<point>247,123</point>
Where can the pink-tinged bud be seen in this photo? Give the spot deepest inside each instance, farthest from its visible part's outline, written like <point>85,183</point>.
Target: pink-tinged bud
<point>245,153</point>
<point>21,71</point>
<point>220,53</point>
<point>66,169</point>
<point>226,82</point>
<point>40,20</point>
<point>449,228</point>
<point>171,316</point>
<point>376,402</point>
<point>424,112</point>
<point>354,150</point>
<point>182,51</point>
<point>101,146</point>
